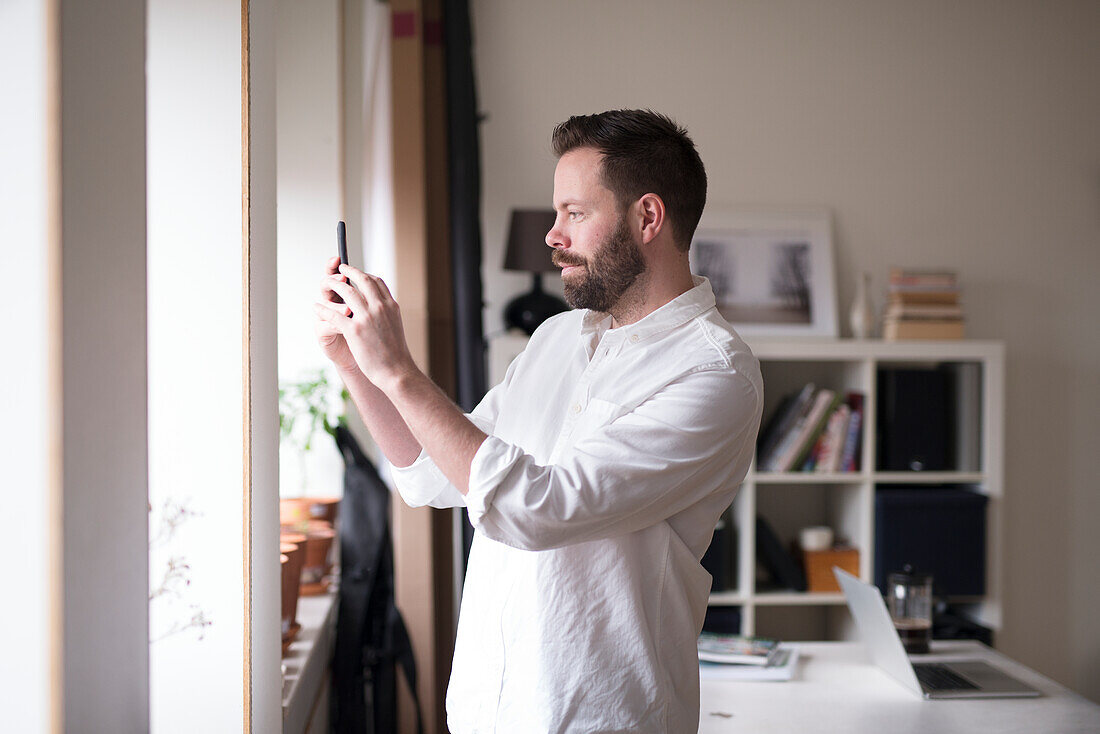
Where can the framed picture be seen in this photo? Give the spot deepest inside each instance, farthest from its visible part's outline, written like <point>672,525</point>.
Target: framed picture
<point>772,273</point>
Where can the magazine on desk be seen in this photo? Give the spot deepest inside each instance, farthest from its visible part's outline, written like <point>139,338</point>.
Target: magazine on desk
<point>719,648</point>
<point>735,657</point>
<point>781,668</point>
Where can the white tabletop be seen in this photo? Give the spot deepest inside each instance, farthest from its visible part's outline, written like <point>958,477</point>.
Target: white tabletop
<point>838,689</point>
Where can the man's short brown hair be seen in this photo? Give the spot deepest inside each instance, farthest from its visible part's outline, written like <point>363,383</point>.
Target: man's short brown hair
<point>643,152</point>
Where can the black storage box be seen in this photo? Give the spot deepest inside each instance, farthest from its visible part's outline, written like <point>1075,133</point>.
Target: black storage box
<point>723,620</point>
<point>915,420</point>
<point>720,559</point>
<point>937,531</point>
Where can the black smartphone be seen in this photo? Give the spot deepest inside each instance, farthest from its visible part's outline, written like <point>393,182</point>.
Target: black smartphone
<point>342,249</point>
<point>342,242</point>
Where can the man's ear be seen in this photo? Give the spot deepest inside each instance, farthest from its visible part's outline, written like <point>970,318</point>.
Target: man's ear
<point>652,211</point>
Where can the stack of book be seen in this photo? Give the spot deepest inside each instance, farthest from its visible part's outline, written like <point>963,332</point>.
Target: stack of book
<point>924,304</point>
<point>813,430</point>
<point>733,657</point>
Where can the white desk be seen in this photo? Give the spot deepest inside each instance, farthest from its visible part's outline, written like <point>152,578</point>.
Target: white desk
<point>838,689</point>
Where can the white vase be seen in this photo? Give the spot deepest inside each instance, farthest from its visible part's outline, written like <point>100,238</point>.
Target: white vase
<point>861,318</point>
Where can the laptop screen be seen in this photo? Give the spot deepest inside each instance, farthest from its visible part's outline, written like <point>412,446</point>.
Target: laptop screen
<point>877,630</point>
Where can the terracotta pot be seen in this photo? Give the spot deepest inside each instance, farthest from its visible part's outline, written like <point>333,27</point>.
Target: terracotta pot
<point>304,526</point>
<point>317,564</point>
<point>292,510</point>
<point>321,508</point>
<point>292,578</point>
<point>299,539</point>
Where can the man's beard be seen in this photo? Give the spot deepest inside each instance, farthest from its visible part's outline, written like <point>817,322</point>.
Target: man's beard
<point>612,269</point>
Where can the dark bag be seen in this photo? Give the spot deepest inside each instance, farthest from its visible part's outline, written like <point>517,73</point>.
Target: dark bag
<point>371,639</point>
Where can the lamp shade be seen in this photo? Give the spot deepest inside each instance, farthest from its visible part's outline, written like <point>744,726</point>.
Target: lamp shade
<point>527,248</point>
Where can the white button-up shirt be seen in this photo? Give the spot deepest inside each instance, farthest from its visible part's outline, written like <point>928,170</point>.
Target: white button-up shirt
<point>611,455</point>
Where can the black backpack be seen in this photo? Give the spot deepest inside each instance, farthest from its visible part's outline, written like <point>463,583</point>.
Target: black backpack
<point>371,639</point>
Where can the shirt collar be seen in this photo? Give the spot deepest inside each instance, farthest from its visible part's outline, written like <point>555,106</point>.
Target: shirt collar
<point>676,312</point>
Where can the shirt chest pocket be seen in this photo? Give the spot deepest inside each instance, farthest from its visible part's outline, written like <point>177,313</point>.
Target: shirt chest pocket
<point>597,414</point>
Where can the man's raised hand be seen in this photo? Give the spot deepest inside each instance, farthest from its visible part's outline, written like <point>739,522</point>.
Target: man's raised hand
<point>368,322</point>
<point>332,341</point>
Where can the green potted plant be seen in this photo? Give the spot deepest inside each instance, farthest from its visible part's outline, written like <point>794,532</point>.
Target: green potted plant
<point>310,409</point>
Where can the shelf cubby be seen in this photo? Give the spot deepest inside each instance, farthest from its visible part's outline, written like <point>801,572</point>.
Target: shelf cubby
<point>845,501</point>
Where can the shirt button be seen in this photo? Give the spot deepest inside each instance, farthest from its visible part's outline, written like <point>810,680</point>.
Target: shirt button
<point>577,408</point>
<point>634,338</point>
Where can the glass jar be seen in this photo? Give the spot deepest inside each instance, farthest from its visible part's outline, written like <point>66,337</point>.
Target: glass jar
<point>909,598</point>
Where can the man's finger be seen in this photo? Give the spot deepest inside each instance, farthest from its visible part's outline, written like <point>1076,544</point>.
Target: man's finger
<point>384,288</point>
<point>333,265</point>
<point>328,293</point>
<point>367,284</point>
<point>351,296</point>
<point>335,313</point>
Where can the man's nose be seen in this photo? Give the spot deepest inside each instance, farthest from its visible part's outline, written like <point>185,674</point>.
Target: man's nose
<point>555,238</point>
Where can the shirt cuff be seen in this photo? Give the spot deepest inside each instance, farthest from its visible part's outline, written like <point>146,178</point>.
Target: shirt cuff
<point>492,463</point>
<point>420,482</point>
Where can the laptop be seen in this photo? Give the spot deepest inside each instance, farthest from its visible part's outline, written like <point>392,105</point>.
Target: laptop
<point>961,678</point>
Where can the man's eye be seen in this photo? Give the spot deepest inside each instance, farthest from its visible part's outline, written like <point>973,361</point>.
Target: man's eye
<point>574,216</point>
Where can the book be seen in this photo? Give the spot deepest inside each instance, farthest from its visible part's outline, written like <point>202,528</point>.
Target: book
<point>716,647</point>
<point>929,297</point>
<point>791,434</point>
<point>924,311</point>
<point>850,454</point>
<point>787,443</point>
<point>781,668</point>
<point>810,463</point>
<point>915,277</point>
<point>924,304</point>
<point>783,456</point>
<point>893,330</point>
<point>922,294</point>
<point>832,440</point>
<point>842,439</point>
<point>770,429</point>
<point>780,565</point>
<point>824,402</point>
<point>781,423</point>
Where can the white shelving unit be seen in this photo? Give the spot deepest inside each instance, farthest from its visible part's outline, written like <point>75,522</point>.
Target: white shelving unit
<point>846,501</point>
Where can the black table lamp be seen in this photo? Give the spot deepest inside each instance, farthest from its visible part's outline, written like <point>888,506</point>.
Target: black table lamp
<point>527,251</point>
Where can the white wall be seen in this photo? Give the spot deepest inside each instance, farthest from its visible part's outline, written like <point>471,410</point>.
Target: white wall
<point>309,205</point>
<point>940,133</point>
<point>26,377</point>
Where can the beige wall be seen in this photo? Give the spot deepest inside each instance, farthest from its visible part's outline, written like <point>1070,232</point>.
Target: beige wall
<point>957,134</point>
<point>100,288</point>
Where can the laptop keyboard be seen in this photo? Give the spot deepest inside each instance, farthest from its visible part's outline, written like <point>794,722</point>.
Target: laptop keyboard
<point>942,678</point>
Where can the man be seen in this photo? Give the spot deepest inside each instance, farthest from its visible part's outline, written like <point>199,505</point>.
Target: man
<point>596,471</point>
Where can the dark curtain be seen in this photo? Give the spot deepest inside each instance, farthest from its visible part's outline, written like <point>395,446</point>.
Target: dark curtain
<point>465,199</point>
<point>372,642</point>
